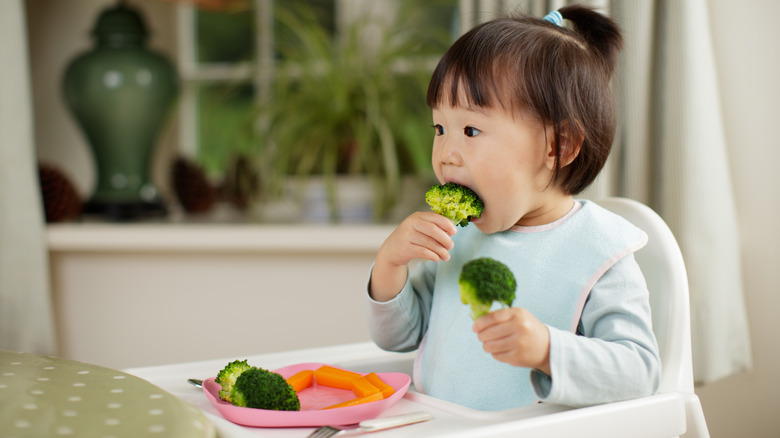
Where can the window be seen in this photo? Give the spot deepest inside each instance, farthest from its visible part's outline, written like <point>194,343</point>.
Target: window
<point>227,62</point>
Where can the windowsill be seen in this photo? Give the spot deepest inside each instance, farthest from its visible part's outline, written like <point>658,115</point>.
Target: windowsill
<point>212,238</point>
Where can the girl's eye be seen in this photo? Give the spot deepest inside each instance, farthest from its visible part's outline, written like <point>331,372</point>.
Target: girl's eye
<point>471,131</point>
<point>438,129</point>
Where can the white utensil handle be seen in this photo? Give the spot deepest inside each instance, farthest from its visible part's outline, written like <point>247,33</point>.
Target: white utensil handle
<point>394,421</point>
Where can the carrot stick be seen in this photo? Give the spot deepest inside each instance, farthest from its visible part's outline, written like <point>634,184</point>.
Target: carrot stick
<point>335,377</point>
<point>362,387</point>
<point>357,401</point>
<point>301,380</point>
<point>386,389</point>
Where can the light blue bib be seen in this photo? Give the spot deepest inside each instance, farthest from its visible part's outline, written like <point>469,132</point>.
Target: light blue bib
<point>555,266</point>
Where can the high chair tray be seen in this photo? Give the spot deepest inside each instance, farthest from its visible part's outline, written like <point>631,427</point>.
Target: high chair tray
<point>661,415</point>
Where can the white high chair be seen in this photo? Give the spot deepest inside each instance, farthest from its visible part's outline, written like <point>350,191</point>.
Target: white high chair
<point>664,269</point>
<point>675,411</point>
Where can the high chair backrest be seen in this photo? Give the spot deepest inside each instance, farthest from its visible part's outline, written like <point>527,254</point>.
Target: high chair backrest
<point>664,269</point>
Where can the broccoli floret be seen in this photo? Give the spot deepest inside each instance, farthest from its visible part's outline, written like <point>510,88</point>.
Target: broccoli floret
<point>227,377</point>
<point>458,203</point>
<point>263,389</point>
<point>483,281</point>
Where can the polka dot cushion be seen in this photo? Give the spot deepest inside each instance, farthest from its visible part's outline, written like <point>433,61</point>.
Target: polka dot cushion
<point>52,397</point>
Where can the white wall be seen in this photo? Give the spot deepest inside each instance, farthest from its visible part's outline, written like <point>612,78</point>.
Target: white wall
<point>748,56</point>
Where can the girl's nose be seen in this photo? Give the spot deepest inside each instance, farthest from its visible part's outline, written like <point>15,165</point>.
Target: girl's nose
<point>449,152</point>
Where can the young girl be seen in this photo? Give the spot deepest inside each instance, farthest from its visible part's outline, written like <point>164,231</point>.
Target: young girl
<point>522,115</point>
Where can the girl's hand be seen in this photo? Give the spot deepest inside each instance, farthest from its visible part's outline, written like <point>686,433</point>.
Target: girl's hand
<point>516,337</point>
<point>422,235</point>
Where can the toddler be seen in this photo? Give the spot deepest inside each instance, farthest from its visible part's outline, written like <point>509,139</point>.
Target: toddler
<point>522,115</point>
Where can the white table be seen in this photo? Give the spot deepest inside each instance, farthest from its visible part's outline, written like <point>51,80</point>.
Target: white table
<point>635,418</point>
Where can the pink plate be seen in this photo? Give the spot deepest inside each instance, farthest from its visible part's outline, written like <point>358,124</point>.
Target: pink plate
<point>312,400</point>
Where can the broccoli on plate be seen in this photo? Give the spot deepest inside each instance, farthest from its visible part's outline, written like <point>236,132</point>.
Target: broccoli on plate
<point>227,377</point>
<point>247,386</point>
<point>484,281</point>
<point>458,203</point>
<point>263,389</point>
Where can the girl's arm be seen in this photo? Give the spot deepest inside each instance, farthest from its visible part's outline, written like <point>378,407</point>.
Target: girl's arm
<point>399,304</point>
<point>400,323</point>
<point>615,357</point>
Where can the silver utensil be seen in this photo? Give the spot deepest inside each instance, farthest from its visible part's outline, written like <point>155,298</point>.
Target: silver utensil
<point>372,425</point>
<point>198,383</point>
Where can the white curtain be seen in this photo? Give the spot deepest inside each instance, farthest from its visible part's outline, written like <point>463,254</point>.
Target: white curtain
<point>674,158</point>
<point>671,154</point>
<point>26,317</point>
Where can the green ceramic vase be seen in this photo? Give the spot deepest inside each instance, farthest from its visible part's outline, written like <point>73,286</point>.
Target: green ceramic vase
<point>121,94</point>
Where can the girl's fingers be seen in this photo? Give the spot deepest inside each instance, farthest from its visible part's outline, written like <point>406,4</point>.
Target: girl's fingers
<point>426,247</point>
<point>427,232</point>
<point>495,332</point>
<point>437,242</point>
<point>500,344</point>
<point>491,319</point>
<point>422,235</point>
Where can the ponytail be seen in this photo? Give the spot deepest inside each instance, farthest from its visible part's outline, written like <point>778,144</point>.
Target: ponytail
<point>601,33</point>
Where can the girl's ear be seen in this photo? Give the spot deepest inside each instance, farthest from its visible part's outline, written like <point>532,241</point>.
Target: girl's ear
<point>569,144</point>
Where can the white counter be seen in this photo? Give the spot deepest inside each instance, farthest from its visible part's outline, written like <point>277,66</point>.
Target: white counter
<point>129,295</point>
<point>240,238</point>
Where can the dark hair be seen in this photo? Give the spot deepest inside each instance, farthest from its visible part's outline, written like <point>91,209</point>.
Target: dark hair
<point>559,75</point>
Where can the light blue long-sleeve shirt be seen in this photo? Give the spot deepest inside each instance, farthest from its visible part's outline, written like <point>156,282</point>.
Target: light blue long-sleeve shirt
<point>607,353</point>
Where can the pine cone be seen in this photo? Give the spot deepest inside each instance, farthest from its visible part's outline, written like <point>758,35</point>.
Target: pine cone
<point>241,184</point>
<point>193,190</point>
<point>61,201</point>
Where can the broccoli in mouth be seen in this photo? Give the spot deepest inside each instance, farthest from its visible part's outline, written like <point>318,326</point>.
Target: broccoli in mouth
<point>457,203</point>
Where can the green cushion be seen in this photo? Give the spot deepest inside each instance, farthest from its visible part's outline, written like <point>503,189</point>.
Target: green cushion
<point>53,397</point>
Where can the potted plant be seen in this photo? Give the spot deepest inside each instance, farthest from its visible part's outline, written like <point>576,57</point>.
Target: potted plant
<point>349,105</point>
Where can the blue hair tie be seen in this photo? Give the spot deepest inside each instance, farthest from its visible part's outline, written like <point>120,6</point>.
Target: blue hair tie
<point>554,17</point>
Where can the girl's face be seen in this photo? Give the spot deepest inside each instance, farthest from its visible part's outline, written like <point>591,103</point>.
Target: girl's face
<point>505,158</point>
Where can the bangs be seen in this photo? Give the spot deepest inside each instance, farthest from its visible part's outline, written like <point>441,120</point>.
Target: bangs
<point>478,74</point>
<point>474,87</point>
<point>490,68</point>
